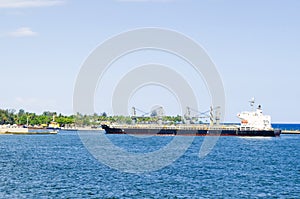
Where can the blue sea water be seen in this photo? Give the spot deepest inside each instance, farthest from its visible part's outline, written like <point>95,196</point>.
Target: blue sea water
<point>59,166</point>
<point>286,126</point>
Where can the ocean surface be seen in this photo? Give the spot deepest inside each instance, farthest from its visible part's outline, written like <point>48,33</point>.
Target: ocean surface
<point>286,126</point>
<point>59,166</point>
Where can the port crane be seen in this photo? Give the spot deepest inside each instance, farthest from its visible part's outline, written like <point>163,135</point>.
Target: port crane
<point>158,111</point>
<point>155,112</point>
<point>213,114</point>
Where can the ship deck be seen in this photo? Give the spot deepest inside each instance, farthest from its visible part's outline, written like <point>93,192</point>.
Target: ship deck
<point>175,127</point>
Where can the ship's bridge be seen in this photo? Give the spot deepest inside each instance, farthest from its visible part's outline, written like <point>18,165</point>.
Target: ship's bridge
<point>255,120</point>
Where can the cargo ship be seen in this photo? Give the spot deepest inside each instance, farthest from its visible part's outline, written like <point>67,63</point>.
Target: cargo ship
<point>253,123</point>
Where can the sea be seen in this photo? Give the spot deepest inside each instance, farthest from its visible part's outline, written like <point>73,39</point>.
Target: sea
<point>60,166</point>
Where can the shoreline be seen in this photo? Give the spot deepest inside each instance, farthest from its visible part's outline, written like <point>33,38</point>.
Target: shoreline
<point>28,133</point>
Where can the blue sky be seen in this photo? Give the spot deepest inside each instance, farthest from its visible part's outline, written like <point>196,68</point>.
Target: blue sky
<point>254,44</point>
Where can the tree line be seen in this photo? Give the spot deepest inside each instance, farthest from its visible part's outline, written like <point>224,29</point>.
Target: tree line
<point>21,117</point>
<point>11,116</point>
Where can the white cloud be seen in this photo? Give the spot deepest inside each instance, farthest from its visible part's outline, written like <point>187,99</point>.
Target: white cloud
<point>29,3</point>
<point>23,32</point>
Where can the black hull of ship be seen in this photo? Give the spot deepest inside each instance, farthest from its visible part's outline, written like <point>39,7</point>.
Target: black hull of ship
<point>201,132</point>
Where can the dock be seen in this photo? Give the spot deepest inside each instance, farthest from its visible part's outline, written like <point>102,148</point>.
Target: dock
<point>290,132</point>
<point>29,133</point>
<point>26,131</point>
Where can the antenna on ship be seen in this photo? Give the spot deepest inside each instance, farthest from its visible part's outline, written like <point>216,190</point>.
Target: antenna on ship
<point>252,102</point>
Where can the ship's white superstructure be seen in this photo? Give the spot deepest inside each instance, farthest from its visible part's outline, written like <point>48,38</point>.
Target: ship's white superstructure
<point>254,120</point>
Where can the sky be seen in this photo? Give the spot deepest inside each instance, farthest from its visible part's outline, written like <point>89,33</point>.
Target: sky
<point>254,45</point>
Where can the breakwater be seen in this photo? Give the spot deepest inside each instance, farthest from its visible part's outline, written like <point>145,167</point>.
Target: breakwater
<point>290,132</point>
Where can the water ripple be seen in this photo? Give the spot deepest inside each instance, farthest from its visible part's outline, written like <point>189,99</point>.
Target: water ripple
<point>52,166</point>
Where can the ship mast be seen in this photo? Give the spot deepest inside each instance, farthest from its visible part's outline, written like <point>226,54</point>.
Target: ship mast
<point>252,102</point>
<point>214,115</point>
<point>211,116</point>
